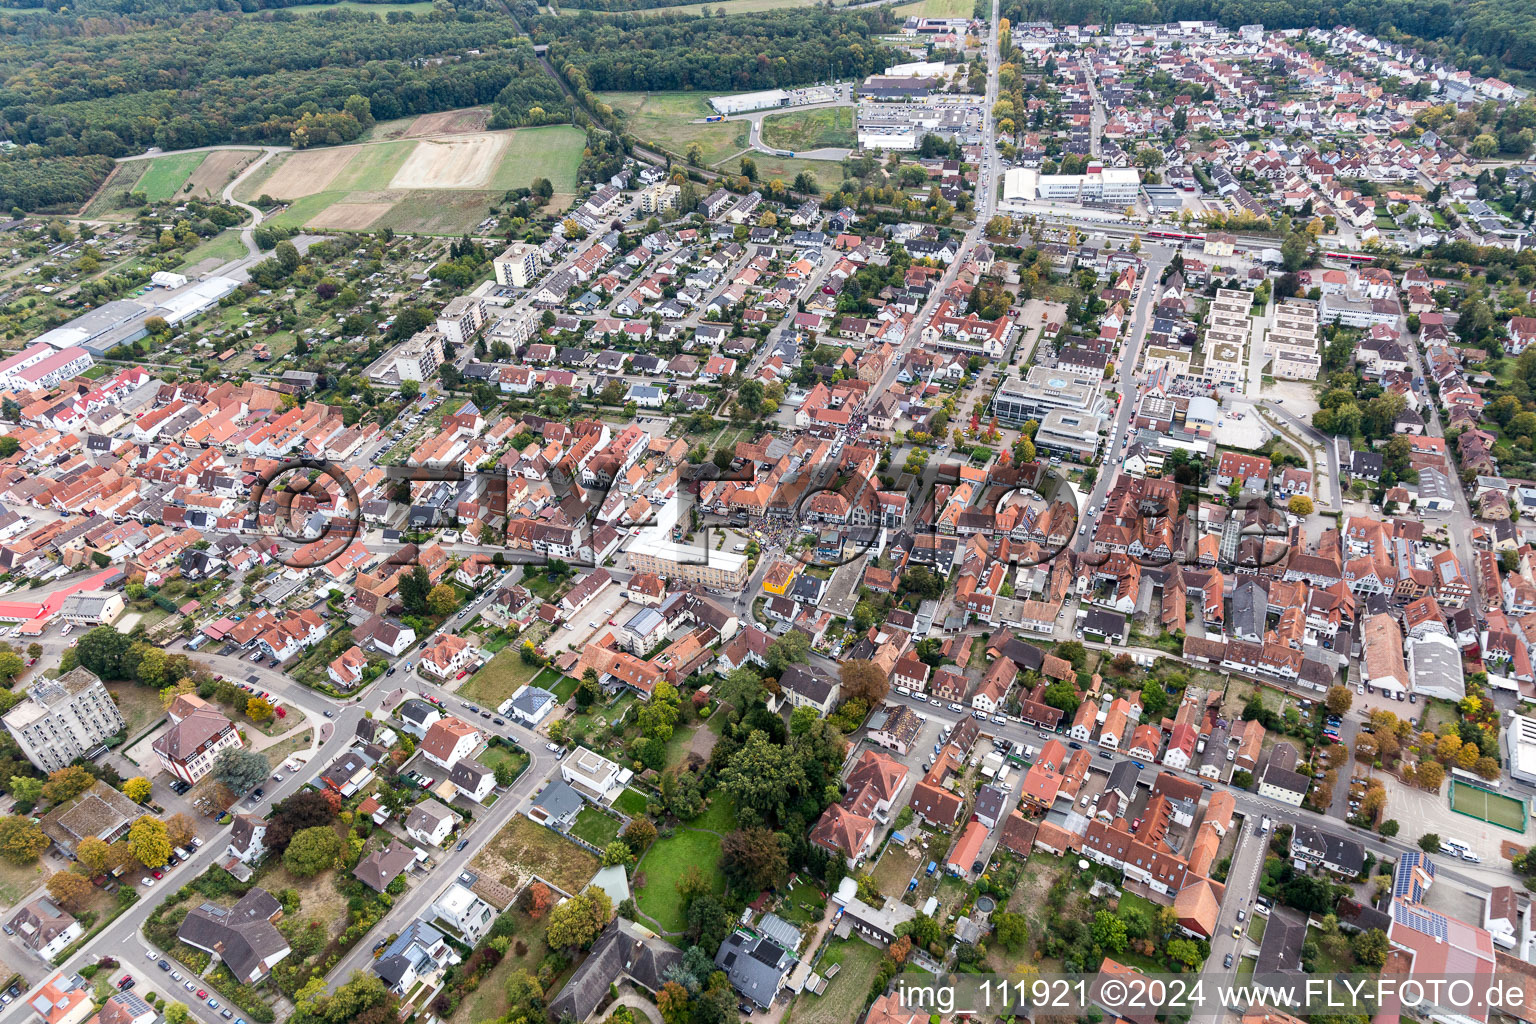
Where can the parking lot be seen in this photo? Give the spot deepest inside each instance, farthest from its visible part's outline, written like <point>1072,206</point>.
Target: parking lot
<point>587,624</point>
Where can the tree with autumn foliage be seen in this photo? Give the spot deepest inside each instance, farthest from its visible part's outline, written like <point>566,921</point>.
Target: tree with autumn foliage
<point>672,1001</point>
<point>539,898</point>
<point>69,890</point>
<point>67,783</point>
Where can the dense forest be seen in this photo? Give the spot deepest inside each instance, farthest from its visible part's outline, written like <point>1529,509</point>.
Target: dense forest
<point>76,86</point>
<point>1486,37</point>
<point>767,50</point>
<point>31,184</point>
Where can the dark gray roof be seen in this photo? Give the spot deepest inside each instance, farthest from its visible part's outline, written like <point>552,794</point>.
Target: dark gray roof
<point>529,699</point>
<point>558,800</point>
<point>622,951</point>
<point>807,682</point>
<point>466,773</point>
<point>1348,854</point>
<point>243,935</point>
<point>756,965</point>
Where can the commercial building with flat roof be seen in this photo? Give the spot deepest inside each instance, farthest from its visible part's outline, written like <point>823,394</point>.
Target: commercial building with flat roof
<point>1116,186</point>
<point>652,551</point>
<point>1042,390</point>
<point>1070,433</point>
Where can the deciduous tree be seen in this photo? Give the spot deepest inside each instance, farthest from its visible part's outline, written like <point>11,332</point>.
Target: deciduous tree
<point>21,839</point>
<point>69,889</point>
<point>312,850</point>
<point>137,789</point>
<point>149,841</point>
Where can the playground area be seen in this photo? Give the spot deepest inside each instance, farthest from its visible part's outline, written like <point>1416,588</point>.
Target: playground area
<point>1486,805</point>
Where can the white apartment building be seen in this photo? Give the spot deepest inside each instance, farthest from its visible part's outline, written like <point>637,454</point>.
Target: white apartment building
<point>41,366</point>
<point>1292,346</point>
<point>518,266</point>
<point>63,719</point>
<point>461,318</point>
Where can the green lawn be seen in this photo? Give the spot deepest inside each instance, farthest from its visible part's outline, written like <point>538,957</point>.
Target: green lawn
<point>224,246</point>
<point>665,862</point>
<point>828,174</point>
<point>936,9</point>
<point>167,174</point>
<point>810,129</point>
<point>553,152</point>
<point>667,119</point>
<point>667,859</point>
<point>595,827</point>
<point>373,167</point>
<point>499,679</point>
<point>630,802</point>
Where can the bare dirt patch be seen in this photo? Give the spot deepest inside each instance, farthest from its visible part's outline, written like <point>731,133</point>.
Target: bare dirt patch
<point>465,163</point>
<point>523,848</point>
<point>306,173</point>
<point>450,122</point>
<point>218,169</point>
<point>349,216</point>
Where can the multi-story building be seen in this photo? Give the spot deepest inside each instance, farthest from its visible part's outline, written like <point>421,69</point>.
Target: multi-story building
<point>718,570</point>
<point>1291,346</point>
<point>461,318</point>
<point>63,719</point>
<point>1042,390</point>
<point>189,747</point>
<point>518,266</point>
<point>41,366</point>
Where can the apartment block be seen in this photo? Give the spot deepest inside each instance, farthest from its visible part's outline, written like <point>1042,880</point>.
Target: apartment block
<point>63,719</point>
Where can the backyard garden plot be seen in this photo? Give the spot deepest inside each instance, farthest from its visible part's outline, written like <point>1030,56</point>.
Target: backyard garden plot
<point>1486,805</point>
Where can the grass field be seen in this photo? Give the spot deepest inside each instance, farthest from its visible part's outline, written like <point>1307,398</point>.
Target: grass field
<point>224,246</point>
<point>828,173</point>
<point>166,175</point>
<point>667,859</point>
<point>630,802</point>
<point>372,168</point>
<point>795,130</point>
<point>666,119</point>
<point>845,994</point>
<point>937,9</point>
<point>499,679</point>
<point>552,152</point>
<point>1494,808</point>
<point>17,880</point>
<point>438,186</point>
<point>139,706</point>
